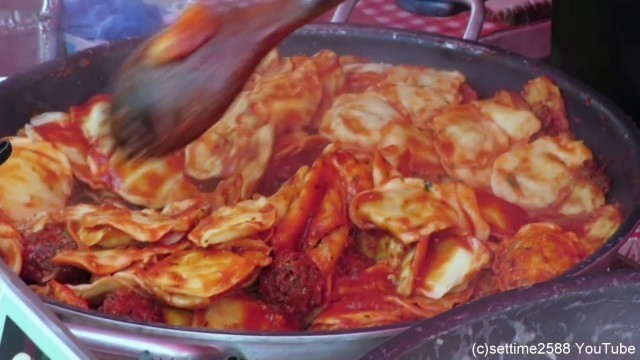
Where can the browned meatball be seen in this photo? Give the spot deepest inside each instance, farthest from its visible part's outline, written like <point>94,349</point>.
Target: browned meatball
<point>536,253</point>
<point>129,304</point>
<point>293,283</point>
<point>352,262</point>
<point>40,247</point>
<point>547,104</point>
<point>596,174</point>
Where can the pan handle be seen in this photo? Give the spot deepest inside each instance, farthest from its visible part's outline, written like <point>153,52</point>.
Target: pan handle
<point>343,12</point>
<point>472,32</point>
<point>476,19</point>
<point>132,345</point>
<point>629,251</point>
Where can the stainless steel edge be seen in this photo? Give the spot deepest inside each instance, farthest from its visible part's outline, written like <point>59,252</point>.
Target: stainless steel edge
<point>37,320</point>
<point>341,345</point>
<point>343,12</point>
<point>131,345</point>
<point>472,32</point>
<point>476,19</point>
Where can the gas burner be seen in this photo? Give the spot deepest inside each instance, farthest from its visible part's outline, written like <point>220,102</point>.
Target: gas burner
<point>434,8</point>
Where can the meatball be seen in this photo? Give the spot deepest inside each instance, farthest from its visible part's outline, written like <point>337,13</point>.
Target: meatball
<point>352,262</point>
<point>536,253</point>
<point>129,304</point>
<point>486,284</point>
<point>40,247</point>
<point>596,174</point>
<point>547,104</point>
<point>293,283</point>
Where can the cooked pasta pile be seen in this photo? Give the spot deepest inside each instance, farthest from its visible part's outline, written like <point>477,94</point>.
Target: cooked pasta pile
<point>335,193</point>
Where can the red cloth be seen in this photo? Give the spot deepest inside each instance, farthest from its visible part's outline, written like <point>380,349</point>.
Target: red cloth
<point>385,13</point>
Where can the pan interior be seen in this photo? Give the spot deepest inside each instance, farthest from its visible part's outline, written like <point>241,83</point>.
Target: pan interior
<point>613,137</point>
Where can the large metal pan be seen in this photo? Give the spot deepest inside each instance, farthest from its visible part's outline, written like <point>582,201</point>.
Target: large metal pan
<point>585,317</point>
<point>606,130</point>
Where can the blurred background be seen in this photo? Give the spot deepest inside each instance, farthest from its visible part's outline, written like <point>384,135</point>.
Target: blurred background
<point>32,31</point>
<point>596,41</point>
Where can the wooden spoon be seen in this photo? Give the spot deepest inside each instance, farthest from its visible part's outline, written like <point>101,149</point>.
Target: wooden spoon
<point>180,82</point>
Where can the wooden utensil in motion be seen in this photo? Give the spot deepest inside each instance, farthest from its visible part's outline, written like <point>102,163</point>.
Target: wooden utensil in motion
<point>180,82</point>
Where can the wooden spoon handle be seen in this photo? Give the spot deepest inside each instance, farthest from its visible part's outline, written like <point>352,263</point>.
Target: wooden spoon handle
<point>179,83</point>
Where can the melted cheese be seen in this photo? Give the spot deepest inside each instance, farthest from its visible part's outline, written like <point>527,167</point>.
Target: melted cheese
<point>198,273</point>
<point>291,227</point>
<point>245,219</point>
<point>254,251</point>
<point>270,63</point>
<point>421,103</point>
<point>361,75</point>
<point>536,253</point>
<point>604,222</point>
<point>331,78</point>
<point>584,198</point>
<point>107,262</point>
<point>65,295</point>
<point>316,219</point>
<point>289,191</point>
<point>361,300</point>
<point>468,143</point>
<point>242,142</point>
<point>452,261</point>
<point>152,183</point>
<point>360,119</point>
<point>93,117</point>
<point>407,273</point>
<point>328,250</point>
<point>217,153</point>
<point>289,99</point>
<point>102,286</point>
<point>85,138</point>
<point>446,83</point>
<point>518,124</point>
<point>10,245</point>
<point>503,218</point>
<point>423,307</point>
<point>463,199</point>
<point>547,103</point>
<point>239,312</point>
<point>411,152</point>
<point>36,178</point>
<point>66,135</point>
<point>404,208</point>
<point>540,174</point>
<point>103,224</point>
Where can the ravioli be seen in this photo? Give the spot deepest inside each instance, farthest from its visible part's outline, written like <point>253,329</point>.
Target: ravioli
<point>334,193</point>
